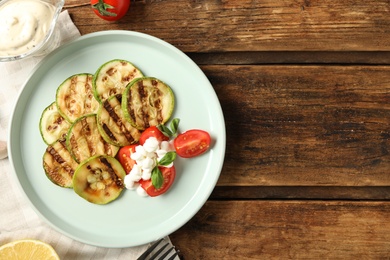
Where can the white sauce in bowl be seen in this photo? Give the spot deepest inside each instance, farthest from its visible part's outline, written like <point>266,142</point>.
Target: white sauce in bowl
<point>24,25</point>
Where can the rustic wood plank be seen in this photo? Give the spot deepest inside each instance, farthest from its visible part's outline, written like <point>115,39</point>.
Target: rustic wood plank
<point>211,25</point>
<point>377,193</point>
<point>304,125</point>
<point>291,57</point>
<point>286,230</point>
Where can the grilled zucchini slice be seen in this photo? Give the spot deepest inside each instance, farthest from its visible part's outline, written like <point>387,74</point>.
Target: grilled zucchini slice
<point>147,102</point>
<point>52,125</point>
<point>74,97</point>
<point>84,139</point>
<point>99,180</point>
<point>112,124</point>
<point>112,78</point>
<point>59,165</point>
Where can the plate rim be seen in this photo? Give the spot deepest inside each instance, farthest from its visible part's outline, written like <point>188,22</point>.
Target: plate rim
<point>14,121</point>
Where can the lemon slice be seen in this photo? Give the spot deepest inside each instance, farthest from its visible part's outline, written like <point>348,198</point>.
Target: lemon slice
<point>28,249</point>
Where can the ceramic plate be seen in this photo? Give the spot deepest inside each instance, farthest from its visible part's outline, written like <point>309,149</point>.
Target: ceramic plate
<point>130,220</point>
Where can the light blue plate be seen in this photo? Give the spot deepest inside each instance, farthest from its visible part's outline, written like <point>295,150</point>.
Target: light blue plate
<point>130,220</point>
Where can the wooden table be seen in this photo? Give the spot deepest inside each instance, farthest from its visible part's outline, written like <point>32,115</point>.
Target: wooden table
<point>305,91</point>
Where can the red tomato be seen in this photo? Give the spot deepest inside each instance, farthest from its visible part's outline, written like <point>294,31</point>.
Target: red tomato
<point>123,157</point>
<point>152,131</point>
<point>110,10</point>
<point>192,143</point>
<point>169,175</point>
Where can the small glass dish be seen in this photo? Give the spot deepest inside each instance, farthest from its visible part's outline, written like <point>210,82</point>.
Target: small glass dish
<point>49,41</point>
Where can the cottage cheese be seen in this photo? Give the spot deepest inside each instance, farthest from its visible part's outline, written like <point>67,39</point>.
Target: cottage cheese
<point>146,157</point>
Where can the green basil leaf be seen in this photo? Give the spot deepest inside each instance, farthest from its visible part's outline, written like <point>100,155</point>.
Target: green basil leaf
<point>165,130</point>
<point>170,132</point>
<point>168,158</point>
<point>157,178</point>
<point>175,125</point>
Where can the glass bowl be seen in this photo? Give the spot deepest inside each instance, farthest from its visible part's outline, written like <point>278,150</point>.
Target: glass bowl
<point>50,38</point>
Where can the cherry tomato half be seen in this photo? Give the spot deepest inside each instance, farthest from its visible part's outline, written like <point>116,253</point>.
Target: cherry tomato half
<point>123,157</point>
<point>192,143</point>
<point>169,175</point>
<point>152,131</point>
<point>110,10</point>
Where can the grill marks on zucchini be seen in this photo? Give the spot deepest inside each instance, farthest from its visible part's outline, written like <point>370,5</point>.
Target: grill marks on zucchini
<point>147,102</point>
<point>99,179</point>
<point>74,97</point>
<point>59,165</point>
<point>112,124</point>
<point>112,78</point>
<point>52,125</point>
<point>84,139</point>
<point>119,182</point>
<point>91,118</point>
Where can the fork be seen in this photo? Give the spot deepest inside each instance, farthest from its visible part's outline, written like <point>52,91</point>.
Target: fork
<point>160,254</point>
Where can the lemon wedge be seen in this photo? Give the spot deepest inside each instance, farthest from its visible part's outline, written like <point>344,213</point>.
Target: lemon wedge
<point>28,249</point>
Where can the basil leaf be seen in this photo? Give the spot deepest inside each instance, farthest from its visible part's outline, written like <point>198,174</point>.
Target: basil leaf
<point>168,158</point>
<point>157,178</point>
<point>170,132</point>
<point>165,130</point>
<point>175,125</point>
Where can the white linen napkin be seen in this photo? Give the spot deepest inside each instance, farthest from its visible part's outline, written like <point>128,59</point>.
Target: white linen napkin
<point>17,219</point>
